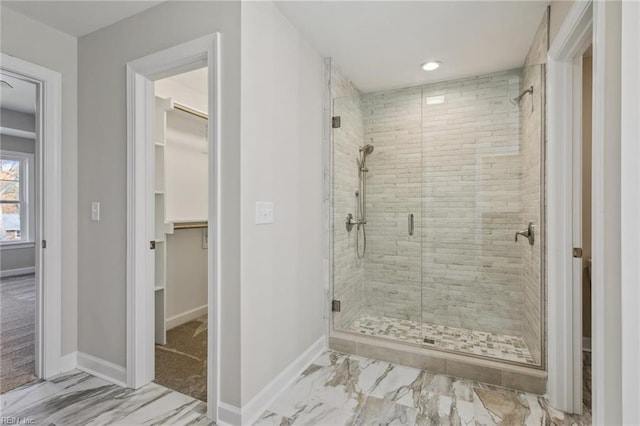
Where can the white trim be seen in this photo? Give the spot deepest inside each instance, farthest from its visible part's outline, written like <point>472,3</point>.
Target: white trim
<point>630,209</point>
<point>186,316</point>
<point>49,219</point>
<point>9,131</point>
<point>68,362</point>
<point>252,410</point>
<point>204,51</point>
<point>101,368</point>
<point>17,271</point>
<point>564,142</point>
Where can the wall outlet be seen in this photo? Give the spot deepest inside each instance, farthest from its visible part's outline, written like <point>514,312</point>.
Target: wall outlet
<point>264,212</point>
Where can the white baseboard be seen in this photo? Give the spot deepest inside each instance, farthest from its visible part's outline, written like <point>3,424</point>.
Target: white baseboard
<point>106,370</point>
<point>68,362</point>
<point>184,317</point>
<point>228,415</point>
<point>18,271</point>
<point>586,344</point>
<point>253,409</point>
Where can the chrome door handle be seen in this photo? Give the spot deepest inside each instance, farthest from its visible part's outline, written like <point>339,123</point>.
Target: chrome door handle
<point>410,224</point>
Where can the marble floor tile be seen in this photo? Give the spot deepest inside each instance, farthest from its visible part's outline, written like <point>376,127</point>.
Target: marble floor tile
<point>342,389</point>
<point>382,412</point>
<point>337,389</point>
<point>77,398</point>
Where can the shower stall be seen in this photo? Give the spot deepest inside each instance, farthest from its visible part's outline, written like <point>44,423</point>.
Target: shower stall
<point>438,215</point>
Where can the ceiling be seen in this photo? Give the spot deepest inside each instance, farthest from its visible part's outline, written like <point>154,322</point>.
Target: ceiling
<point>79,18</point>
<point>380,45</point>
<point>21,98</point>
<point>195,80</point>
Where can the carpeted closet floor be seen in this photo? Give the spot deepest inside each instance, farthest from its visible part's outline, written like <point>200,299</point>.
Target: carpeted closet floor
<point>181,364</point>
<point>17,331</point>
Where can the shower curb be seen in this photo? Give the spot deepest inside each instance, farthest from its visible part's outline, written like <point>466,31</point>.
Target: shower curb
<point>516,377</point>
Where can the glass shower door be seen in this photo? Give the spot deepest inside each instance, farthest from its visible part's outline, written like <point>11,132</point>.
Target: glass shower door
<point>377,176</point>
<point>482,169</point>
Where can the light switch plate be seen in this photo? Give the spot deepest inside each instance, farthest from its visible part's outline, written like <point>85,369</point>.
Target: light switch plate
<point>95,211</point>
<point>264,212</point>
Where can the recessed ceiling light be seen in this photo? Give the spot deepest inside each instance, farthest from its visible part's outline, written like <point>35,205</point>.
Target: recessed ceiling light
<point>431,65</point>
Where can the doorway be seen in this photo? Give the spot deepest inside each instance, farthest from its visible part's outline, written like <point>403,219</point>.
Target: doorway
<point>18,156</point>
<point>181,230</point>
<point>142,164</point>
<point>30,222</point>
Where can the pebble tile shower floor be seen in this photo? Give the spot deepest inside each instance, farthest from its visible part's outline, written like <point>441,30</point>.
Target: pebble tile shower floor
<point>504,347</point>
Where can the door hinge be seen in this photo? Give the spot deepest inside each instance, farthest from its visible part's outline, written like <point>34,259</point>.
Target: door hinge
<point>152,245</point>
<point>577,252</point>
<point>335,122</point>
<point>44,244</point>
<point>335,306</point>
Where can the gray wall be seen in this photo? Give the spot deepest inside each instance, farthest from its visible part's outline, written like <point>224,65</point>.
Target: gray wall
<point>186,272</point>
<point>102,58</point>
<point>17,258</point>
<point>17,120</point>
<point>282,98</point>
<point>13,143</point>
<point>32,41</point>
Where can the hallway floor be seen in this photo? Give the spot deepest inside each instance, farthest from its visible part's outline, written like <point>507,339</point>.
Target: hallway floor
<point>77,398</point>
<point>337,389</point>
<point>17,331</point>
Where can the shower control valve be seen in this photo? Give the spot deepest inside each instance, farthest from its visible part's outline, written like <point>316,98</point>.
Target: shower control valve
<point>350,222</point>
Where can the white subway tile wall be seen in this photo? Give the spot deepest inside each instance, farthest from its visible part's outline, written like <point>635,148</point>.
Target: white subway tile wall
<point>455,166</point>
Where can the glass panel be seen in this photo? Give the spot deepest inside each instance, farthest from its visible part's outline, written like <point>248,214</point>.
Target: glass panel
<point>377,178</point>
<point>482,185</point>
<point>10,222</point>
<point>348,268</point>
<point>9,180</point>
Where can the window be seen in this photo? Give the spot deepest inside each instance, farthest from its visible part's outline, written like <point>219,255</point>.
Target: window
<point>15,184</point>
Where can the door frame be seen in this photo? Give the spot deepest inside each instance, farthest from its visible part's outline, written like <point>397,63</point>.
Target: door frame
<point>141,73</point>
<point>48,185</point>
<point>599,23</point>
<point>564,151</point>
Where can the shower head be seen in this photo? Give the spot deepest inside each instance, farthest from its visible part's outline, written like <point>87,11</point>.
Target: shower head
<point>516,100</point>
<point>367,149</point>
